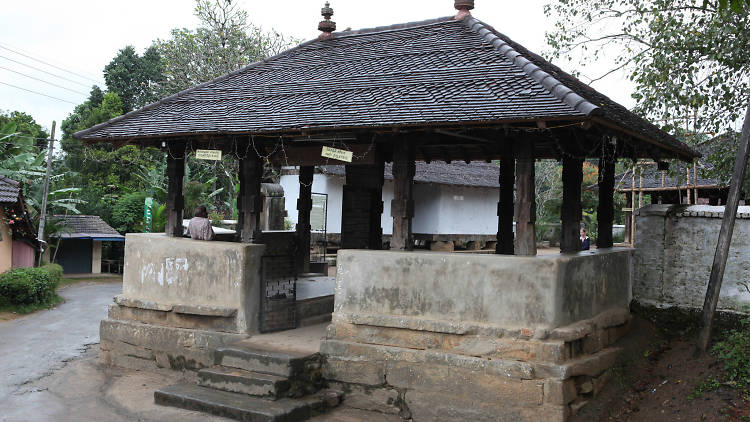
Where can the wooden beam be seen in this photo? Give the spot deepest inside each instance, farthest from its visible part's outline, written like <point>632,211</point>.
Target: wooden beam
<point>505,206</point>
<point>175,199</point>
<point>304,206</point>
<point>297,155</point>
<point>570,213</point>
<point>606,209</point>
<point>526,200</point>
<point>725,237</point>
<point>251,175</point>
<point>402,205</point>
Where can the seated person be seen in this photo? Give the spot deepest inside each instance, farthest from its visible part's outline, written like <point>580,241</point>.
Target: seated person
<point>585,241</point>
<point>200,226</point>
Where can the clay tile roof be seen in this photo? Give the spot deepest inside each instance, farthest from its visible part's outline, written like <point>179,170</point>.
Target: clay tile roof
<point>10,191</point>
<point>86,226</point>
<point>474,174</point>
<point>439,71</point>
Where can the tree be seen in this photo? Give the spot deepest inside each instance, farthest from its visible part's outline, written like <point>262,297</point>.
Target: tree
<point>689,59</point>
<point>103,173</point>
<point>25,125</point>
<point>223,42</point>
<point>137,80</point>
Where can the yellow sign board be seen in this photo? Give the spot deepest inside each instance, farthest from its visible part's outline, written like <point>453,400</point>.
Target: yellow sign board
<point>208,154</point>
<point>337,154</point>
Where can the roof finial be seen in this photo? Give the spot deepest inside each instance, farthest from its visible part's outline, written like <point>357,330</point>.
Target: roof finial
<point>327,26</point>
<point>463,7</point>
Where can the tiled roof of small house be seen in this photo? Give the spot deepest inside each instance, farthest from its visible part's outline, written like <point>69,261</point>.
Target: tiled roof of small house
<point>85,227</point>
<point>10,191</point>
<point>474,174</point>
<point>440,71</point>
<point>677,175</point>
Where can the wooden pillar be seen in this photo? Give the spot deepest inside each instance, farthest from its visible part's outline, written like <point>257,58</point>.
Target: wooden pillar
<point>628,215</point>
<point>525,198</point>
<point>402,206</point>
<point>570,213</point>
<point>362,207</point>
<point>605,213</point>
<point>175,200</point>
<point>505,206</point>
<point>304,206</point>
<point>250,200</point>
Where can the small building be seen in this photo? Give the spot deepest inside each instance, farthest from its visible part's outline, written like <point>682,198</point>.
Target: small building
<point>18,243</point>
<point>453,201</point>
<point>80,247</point>
<point>433,335</point>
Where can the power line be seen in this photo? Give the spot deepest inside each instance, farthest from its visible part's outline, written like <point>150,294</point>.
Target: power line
<point>49,64</point>
<point>42,80</point>
<point>38,93</point>
<point>44,71</point>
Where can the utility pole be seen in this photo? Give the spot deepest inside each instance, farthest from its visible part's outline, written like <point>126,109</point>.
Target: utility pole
<point>43,211</point>
<point>725,238</point>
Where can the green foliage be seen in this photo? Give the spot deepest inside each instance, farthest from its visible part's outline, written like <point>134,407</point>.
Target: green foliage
<point>28,286</point>
<point>684,56</point>
<point>224,42</point>
<point>159,219</point>
<point>25,126</point>
<point>734,354</point>
<point>136,79</point>
<point>127,216</point>
<point>20,158</point>
<point>55,271</point>
<point>708,384</point>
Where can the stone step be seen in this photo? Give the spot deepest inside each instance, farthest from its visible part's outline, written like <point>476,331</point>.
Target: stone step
<point>243,407</point>
<point>261,361</point>
<point>245,382</point>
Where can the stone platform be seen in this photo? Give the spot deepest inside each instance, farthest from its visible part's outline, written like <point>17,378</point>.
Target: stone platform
<point>182,299</point>
<point>445,337</point>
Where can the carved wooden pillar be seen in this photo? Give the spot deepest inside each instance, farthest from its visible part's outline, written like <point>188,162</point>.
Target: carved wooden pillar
<point>304,206</point>
<point>402,206</point>
<point>362,207</point>
<point>525,198</point>
<point>249,202</point>
<point>175,199</point>
<point>505,205</point>
<point>606,212</point>
<point>570,214</point>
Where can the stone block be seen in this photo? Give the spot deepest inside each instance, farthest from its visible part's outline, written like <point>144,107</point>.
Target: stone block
<point>439,246</point>
<point>450,407</point>
<point>383,400</point>
<point>470,383</point>
<point>559,392</point>
<point>184,348</point>
<point>354,371</point>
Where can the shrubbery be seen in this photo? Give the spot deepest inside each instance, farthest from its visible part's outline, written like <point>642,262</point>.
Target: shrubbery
<point>734,353</point>
<point>30,286</point>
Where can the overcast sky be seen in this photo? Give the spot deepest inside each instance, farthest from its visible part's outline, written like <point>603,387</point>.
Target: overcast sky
<point>82,36</point>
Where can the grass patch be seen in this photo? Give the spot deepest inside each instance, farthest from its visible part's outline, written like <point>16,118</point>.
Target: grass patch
<point>708,384</point>
<point>27,309</point>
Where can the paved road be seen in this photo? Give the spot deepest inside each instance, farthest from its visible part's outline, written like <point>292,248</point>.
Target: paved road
<point>34,346</point>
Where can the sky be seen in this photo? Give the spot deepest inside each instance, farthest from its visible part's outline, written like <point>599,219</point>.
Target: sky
<point>68,43</point>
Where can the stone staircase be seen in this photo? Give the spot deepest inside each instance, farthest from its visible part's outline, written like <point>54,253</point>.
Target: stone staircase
<point>252,384</point>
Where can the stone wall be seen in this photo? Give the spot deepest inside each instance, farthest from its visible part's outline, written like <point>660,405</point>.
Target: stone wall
<point>181,300</point>
<point>445,337</point>
<point>675,246</point>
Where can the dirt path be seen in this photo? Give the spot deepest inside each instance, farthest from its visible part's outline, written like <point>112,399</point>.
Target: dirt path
<point>658,379</point>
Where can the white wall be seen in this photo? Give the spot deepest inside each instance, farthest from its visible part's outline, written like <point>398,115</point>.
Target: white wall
<point>674,251</point>
<point>332,185</point>
<point>439,209</point>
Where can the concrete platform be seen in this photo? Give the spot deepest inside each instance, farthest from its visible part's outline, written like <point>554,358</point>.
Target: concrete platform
<point>303,341</point>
